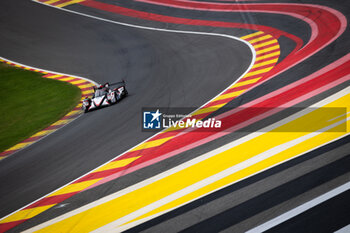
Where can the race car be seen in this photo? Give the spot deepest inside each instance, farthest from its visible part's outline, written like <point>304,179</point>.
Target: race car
<point>105,96</point>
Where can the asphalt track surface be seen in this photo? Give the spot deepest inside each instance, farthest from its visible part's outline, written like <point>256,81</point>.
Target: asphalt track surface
<point>161,69</point>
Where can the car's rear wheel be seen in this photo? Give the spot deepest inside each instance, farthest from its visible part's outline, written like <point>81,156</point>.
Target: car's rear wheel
<point>85,109</point>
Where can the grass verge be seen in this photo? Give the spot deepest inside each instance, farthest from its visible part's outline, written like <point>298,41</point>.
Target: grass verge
<point>30,103</point>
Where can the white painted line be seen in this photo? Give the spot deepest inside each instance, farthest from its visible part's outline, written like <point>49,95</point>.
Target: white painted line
<point>345,229</point>
<point>203,157</point>
<point>300,209</point>
<point>337,117</point>
<point>146,28</point>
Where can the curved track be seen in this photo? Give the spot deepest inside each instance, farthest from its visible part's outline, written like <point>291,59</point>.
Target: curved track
<point>161,69</point>
<point>165,69</point>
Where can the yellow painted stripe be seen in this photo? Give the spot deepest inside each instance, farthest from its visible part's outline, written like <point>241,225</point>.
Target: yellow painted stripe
<point>20,145</point>
<point>73,112</point>
<point>117,164</point>
<point>26,214</point>
<point>261,71</point>
<point>18,66</point>
<point>252,35</point>
<point>258,58</point>
<point>43,132</point>
<point>273,41</point>
<point>209,109</point>
<point>62,122</point>
<point>79,81</point>
<point>75,187</point>
<point>54,76</point>
<point>51,1</point>
<point>229,95</point>
<point>69,3</point>
<point>67,79</point>
<point>260,39</point>
<point>86,85</point>
<point>268,49</point>
<point>243,83</point>
<point>107,212</point>
<point>151,144</point>
<point>88,92</point>
<point>272,61</point>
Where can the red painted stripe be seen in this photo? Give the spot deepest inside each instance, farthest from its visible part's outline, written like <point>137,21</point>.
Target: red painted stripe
<point>240,88</point>
<point>32,139</point>
<point>252,77</point>
<point>70,116</point>
<point>81,84</point>
<point>51,200</point>
<point>261,41</point>
<point>256,37</point>
<point>7,153</point>
<point>86,95</point>
<point>60,2</point>
<point>261,67</point>
<point>7,226</point>
<point>266,46</point>
<point>217,102</point>
<point>86,89</point>
<point>53,127</point>
<point>48,75</point>
<point>73,80</point>
<point>269,52</point>
<point>266,59</point>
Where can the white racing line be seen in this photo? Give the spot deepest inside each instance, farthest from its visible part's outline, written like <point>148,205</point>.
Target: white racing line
<point>300,209</point>
<point>117,226</point>
<point>145,28</point>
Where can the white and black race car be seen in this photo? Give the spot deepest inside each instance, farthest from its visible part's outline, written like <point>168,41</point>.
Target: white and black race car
<point>104,96</point>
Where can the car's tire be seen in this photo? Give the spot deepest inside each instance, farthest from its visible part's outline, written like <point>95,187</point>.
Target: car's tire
<point>85,109</point>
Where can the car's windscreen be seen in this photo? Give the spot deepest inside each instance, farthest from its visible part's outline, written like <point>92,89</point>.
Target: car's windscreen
<point>99,93</point>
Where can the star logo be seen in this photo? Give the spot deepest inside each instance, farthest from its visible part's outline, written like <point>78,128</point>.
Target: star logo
<point>156,115</point>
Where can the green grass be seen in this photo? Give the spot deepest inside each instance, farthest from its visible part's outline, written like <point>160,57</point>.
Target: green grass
<point>30,103</point>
